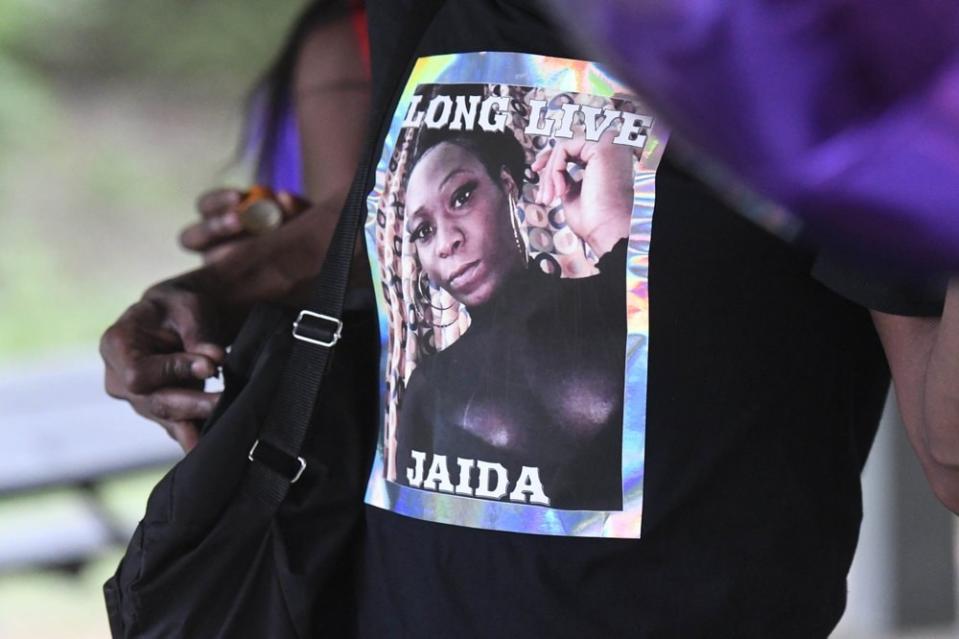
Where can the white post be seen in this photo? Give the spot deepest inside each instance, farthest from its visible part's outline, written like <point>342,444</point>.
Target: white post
<point>903,578</point>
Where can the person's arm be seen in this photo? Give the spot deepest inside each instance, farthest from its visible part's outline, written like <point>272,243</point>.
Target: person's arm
<point>161,349</point>
<point>330,96</point>
<point>923,356</point>
<point>276,266</point>
<point>331,102</point>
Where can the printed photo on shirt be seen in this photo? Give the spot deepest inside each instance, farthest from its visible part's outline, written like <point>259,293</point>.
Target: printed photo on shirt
<point>511,225</point>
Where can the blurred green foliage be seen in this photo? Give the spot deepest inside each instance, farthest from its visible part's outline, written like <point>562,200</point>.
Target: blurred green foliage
<point>114,115</point>
<point>206,44</point>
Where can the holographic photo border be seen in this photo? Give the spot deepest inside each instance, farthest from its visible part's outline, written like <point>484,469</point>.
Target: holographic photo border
<point>555,74</point>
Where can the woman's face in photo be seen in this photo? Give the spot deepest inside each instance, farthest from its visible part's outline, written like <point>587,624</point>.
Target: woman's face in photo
<point>458,221</point>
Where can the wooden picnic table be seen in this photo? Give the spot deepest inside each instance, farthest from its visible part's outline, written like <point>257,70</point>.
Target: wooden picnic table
<point>61,431</point>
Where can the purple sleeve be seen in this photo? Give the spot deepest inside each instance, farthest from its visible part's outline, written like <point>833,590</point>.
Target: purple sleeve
<point>845,112</point>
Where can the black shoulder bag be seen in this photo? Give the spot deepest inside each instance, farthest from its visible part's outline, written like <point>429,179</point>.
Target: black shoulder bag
<point>252,534</point>
<point>255,532</point>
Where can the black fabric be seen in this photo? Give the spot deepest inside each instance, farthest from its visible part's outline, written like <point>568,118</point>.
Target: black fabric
<point>765,389</point>
<point>279,461</point>
<point>212,556</point>
<point>386,21</point>
<point>893,293</point>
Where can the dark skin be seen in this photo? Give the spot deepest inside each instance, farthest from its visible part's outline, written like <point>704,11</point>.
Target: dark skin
<point>923,355</point>
<point>160,350</point>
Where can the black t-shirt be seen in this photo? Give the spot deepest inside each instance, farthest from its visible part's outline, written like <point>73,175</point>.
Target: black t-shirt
<point>763,389</point>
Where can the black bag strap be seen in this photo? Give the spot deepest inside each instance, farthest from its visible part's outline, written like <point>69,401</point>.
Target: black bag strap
<point>276,454</point>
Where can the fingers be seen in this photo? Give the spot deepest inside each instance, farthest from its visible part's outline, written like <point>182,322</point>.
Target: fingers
<point>219,220</point>
<point>137,376</point>
<point>191,318</point>
<point>221,251</point>
<point>195,341</point>
<point>176,405</point>
<point>149,364</point>
<point>186,434</point>
<point>539,165</point>
<point>211,231</point>
<point>291,204</point>
<point>178,411</point>
<point>138,331</point>
<point>556,173</point>
<point>551,166</point>
<point>541,159</point>
<point>218,201</point>
<point>222,223</point>
<point>176,369</point>
<point>213,352</point>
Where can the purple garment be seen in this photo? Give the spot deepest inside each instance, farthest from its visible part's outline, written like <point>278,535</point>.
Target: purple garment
<point>285,169</point>
<point>282,169</point>
<point>846,112</point>
<point>286,163</point>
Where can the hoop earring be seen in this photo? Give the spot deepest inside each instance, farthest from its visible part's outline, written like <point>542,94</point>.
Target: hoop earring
<point>419,316</point>
<point>448,324</point>
<point>517,235</point>
<point>425,294</point>
<point>427,299</point>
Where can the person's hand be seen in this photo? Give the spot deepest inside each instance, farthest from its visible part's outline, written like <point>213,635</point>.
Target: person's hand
<point>598,207</point>
<point>157,356</point>
<point>221,230</point>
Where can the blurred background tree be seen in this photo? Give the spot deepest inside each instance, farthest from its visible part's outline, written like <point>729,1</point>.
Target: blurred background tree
<point>114,114</point>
